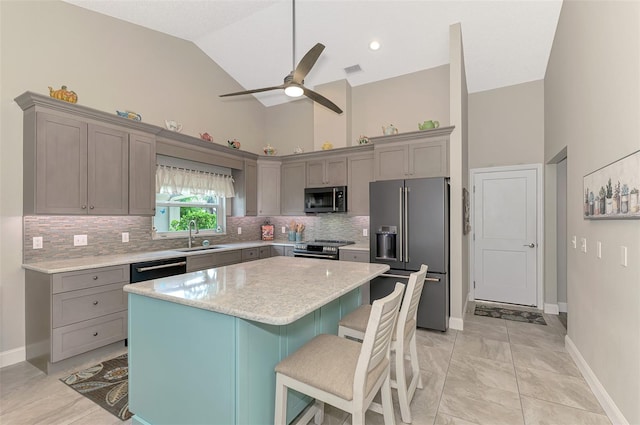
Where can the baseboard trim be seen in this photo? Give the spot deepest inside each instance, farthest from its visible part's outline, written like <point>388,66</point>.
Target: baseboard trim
<point>563,307</point>
<point>9,357</point>
<point>615,415</point>
<point>551,308</point>
<point>456,323</point>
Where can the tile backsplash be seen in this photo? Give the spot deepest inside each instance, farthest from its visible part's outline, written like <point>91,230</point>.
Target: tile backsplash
<point>104,233</point>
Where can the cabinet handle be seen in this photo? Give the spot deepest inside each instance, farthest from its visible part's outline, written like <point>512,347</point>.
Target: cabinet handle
<point>95,303</point>
<point>95,334</point>
<point>91,207</point>
<point>95,278</point>
<point>84,207</point>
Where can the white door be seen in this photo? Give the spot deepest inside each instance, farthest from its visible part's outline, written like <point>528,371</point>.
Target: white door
<point>505,246</point>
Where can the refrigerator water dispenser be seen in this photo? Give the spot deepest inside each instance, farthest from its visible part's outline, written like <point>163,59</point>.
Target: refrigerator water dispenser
<point>386,243</point>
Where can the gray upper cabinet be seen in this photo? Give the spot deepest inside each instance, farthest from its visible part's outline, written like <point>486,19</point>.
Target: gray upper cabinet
<point>107,171</point>
<point>327,172</point>
<point>142,174</point>
<point>292,192</point>
<point>268,188</point>
<point>412,155</point>
<point>245,203</point>
<point>360,173</point>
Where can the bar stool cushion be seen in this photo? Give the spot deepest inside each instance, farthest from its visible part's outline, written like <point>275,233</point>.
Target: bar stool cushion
<point>314,364</point>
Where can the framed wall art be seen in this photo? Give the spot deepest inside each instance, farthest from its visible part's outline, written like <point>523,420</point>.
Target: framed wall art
<point>612,192</point>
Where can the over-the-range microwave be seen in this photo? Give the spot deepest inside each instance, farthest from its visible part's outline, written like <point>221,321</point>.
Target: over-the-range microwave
<point>325,199</point>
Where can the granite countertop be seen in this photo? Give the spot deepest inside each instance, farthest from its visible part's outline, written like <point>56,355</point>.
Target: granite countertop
<point>356,247</point>
<point>275,291</point>
<point>74,264</point>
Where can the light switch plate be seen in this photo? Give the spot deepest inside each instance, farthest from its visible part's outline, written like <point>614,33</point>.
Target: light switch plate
<point>239,230</point>
<point>599,249</point>
<point>574,242</point>
<point>79,240</point>
<point>365,232</point>
<point>125,237</point>
<point>37,242</point>
<point>284,229</point>
<point>623,256</point>
<point>583,244</point>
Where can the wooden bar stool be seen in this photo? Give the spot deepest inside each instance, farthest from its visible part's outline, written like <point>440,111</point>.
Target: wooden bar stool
<point>341,372</point>
<point>403,342</point>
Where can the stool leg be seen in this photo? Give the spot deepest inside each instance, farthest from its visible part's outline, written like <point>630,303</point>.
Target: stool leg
<point>401,380</point>
<point>281,402</point>
<point>387,403</point>
<point>415,366</point>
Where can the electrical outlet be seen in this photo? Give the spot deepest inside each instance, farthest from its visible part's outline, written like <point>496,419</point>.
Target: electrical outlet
<point>239,230</point>
<point>599,249</point>
<point>37,242</point>
<point>365,232</point>
<point>284,229</point>
<point>583,244</point>
<point>623,256</point>
<point>125,236</point>
<point>574,242</point>
<point>79,240</point>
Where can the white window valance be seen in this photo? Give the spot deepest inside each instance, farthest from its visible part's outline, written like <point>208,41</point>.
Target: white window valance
<point>174,180</point>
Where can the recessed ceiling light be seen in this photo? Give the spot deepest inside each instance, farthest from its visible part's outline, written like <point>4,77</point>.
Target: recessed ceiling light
<point>374,45</point>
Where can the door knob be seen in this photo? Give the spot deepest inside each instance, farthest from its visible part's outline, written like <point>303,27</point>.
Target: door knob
<point>531,245</point>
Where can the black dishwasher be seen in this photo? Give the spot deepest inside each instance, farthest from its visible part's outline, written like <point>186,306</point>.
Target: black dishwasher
<point>158,268</point>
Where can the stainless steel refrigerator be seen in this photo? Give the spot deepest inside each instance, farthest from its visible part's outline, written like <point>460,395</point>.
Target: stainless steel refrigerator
<point>409,226</point>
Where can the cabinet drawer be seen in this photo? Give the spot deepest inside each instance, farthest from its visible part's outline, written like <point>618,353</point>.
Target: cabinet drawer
<point>250,254</point>
<point>265,252</point>
<point>208,261</point>
<point>356,256</point>
<point>71,281</point>
<point>79,338</point>
<point>75,306</point>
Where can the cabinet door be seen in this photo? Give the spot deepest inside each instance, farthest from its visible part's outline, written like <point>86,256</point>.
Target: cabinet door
<point>315,174</point>
<point>142,174</point>
<point>61,165</point>
<point>292,193</point>
<point>360,172</point>
<point>428,159</point>
<point>108,170</point>
<point>336,171</point>
<point>269,188</point>
<point>391,162</point>
<point>251,187</point>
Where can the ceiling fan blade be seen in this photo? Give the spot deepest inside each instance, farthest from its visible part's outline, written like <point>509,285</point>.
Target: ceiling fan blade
<point>253,91</point>
<point>307,62</point>
<point>317,97</point>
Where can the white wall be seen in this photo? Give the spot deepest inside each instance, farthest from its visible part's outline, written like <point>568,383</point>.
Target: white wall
<point>592,106</point>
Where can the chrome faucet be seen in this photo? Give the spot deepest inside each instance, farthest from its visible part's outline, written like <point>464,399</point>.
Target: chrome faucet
<point>194,224</point>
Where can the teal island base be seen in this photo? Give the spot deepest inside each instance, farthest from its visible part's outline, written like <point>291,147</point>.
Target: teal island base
<point>193,366</point>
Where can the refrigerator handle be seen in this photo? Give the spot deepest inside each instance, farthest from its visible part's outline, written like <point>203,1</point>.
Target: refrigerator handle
<point>401,228</point>
<point>406,224</point>
<point>334,199</point>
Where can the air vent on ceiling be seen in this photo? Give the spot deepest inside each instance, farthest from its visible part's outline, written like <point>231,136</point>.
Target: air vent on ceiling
<point>353,68</point>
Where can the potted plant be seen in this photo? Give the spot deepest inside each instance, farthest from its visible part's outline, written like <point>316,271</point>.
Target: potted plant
<point>616,199</point>
<point>633,200</point>
<point>591,209</point>
<point>586,202</point>
<point>609,201</point>
<point>601,199</point>
<point>624,199</point>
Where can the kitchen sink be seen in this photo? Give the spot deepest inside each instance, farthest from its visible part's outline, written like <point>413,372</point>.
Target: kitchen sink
<point>198,248</point>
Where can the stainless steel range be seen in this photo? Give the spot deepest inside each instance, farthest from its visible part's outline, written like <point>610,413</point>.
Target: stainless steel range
<point>320,248</point>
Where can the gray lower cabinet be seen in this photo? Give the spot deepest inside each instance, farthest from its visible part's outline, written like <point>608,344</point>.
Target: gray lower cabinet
<point>358,256</point>
<point>283,250</point>
<point>264,252</point>
<point>67,314</point>
<point>213,259</point>
<point>360,174</point>
<point>250,254</point>
<point>293,175</point>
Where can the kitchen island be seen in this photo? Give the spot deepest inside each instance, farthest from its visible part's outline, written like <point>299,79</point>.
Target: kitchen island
<point>203,345</point>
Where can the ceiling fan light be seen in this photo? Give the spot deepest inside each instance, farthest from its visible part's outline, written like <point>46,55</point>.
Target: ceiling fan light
<point>293,91</point>
<point>374,45</point>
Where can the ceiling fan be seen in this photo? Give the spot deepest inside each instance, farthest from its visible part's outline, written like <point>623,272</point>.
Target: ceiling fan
<point>294,82</point>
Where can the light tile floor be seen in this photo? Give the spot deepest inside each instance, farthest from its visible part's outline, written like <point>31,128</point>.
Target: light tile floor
<point>494,372</point>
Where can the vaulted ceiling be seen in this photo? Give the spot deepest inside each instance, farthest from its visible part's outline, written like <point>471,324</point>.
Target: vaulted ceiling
<point>506,42</point>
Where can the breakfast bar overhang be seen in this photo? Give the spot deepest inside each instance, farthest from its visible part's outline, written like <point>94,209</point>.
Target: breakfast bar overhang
<point>203,345</point>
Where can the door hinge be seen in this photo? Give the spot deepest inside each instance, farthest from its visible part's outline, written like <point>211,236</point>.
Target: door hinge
<point>474,236</point>
<point>474,284</point>
<point>474,188</point>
